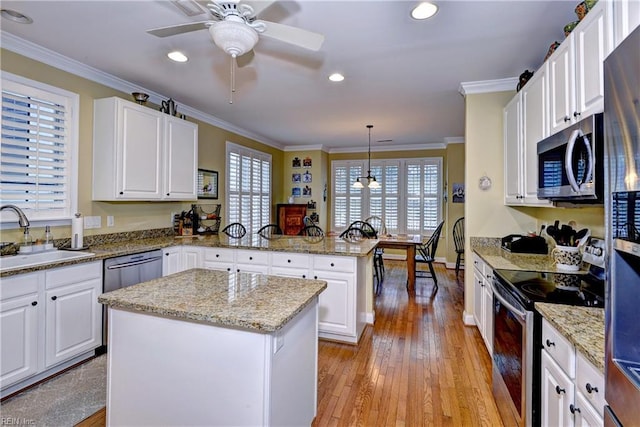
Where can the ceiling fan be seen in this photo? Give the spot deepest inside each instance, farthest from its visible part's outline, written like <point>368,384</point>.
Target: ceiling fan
<point>235,28</point>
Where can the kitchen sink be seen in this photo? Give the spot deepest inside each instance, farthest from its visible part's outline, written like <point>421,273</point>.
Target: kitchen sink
<point>31,260</point>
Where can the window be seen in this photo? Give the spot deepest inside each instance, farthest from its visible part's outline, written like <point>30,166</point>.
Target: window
<point>248,187</point>
<point>409,198</point>
<point>38,153</point>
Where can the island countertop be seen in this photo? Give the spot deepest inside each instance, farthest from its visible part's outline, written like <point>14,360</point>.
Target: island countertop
<point>242,300</point>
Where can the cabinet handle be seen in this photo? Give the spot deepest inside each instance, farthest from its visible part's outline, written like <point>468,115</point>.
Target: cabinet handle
<point>480,283</point>
<point>228,268</point>
<point>238,270</point>
<point>121,193</point>
<point>250,258</point>
<point>315,277</point>
<point>289,261</point>
<point>304,276</point>
<point>489,277</point>
<point>53,298</point>
<point>475,262</point>
<point>166,254</point>
<point>167,194</point>
<point>217,255</point>
<point>567,119</point>
<point>34,303</point>
<point>331,264</point>
<point>560,390</point>
<point>576,114</point>
<point>591,389</point>
<point>573,408</point>
<point>550,344</point>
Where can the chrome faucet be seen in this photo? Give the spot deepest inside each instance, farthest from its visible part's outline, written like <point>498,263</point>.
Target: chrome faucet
<point>22,218</point>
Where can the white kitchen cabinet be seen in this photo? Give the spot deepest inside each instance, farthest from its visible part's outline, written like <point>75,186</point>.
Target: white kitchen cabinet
<point>290,264</point>
<point>248,261</point>
<point>576,72</point>
<point>20,311</point>
<point>626,18</point>
<point>336,314</point>
<point>191,257</point>
<point>73,314</point>
<point>512,122</point>
<point>483,300</point>
<point>219,259</point>
<point>142,154</point>
<point>572,390</point>
<point>171,260</point>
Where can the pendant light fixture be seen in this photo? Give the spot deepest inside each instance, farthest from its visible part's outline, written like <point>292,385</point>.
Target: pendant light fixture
<point>371,180</point>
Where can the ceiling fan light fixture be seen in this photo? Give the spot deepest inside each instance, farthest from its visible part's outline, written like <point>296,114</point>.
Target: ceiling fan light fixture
<point>424,10</point>
<point>15,16</point>
<point>235,38</point>
<point>336,77</point>
<point>177,56</point>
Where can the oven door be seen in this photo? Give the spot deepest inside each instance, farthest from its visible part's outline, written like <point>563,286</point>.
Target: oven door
<point>512,358</point>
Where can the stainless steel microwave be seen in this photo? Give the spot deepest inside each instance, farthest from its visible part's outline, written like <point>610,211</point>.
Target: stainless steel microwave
<point>571,163</point>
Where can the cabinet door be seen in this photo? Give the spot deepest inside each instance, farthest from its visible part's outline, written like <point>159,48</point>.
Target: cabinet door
<point>191,258</point>
<point>592,43</point>
<point>557,394</point>
<point>219,259</point>
<point>73,321</point>
<point>18,338</point>
<point>477,298</point>
<point>337,303</point>
<point>626,18</point>
<point>487,315</point>
<point>171,260</point>
<point>561,69</point>
<point>140,141</point>
<point>585,414</point>
<point>512,116</point>
<point>181,159</point>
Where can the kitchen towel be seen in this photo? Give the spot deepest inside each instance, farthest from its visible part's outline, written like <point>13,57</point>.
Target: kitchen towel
<point>77,228</point>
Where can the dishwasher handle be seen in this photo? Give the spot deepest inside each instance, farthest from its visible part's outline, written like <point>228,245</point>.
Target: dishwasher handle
<point>132,263</point>
<point>519,313</point>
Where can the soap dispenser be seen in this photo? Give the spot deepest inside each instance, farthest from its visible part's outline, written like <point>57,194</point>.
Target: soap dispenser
<point>48,239</point>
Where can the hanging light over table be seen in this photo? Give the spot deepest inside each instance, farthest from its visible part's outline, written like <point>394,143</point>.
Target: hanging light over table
<point>371,180</point>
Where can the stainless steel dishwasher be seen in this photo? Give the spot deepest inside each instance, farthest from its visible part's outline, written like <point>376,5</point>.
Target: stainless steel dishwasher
<point>129,270</point>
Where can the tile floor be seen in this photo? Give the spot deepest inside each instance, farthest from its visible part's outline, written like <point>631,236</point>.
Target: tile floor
<point>62,401</point>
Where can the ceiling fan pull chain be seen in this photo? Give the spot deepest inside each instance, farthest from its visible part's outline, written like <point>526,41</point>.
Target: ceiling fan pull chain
<point>233,78</point>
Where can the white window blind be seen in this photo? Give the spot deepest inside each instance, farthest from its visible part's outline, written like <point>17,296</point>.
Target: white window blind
<point>248,187</point>
<point>38,153</point>
<point>409,198</point>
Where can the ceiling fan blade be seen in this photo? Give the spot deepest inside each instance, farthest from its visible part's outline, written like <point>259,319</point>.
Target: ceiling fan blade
<point>293,35</point>
<point>178,29</point>
<point>259,5</point>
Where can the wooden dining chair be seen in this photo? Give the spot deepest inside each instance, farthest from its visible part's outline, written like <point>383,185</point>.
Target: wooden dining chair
<point>235,230</point>
<point>458,241</point>
<point>312,233</point>
<point>363,230</point>
<point>381,229</point>
<point>425,254</point>
<point>270,231</point>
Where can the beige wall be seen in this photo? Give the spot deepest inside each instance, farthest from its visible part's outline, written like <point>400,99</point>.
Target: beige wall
<point>128,215</point>
<point>454,173</point>
<point>318,180</point>
<point>485,212</point>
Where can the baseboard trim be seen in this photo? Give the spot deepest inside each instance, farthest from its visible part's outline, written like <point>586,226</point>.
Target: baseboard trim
<point>468,319</point>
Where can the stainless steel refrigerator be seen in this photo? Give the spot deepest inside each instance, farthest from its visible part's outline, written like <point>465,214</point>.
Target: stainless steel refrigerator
<point>622,218</point>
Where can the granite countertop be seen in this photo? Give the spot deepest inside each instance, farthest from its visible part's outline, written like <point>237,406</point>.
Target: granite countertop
<point>330,245</point>
<point>498,258</point>
<point>582,326</point>
<point>243,300</point>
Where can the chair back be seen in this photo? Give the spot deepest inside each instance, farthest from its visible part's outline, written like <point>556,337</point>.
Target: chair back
<point>378,224</point>
<point>353,234</point>
<point>307,221</point>
<point>458,234</point>
<point>235,230</point>
<point>367,229</point>
<point>269,231</point>
<point>428,250</point>
<point>311,230</point>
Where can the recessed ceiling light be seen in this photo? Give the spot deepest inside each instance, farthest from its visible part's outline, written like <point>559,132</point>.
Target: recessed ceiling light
<point>14,16</point>
<point>336,77</point>
<point>424,10</point>
<point>177,56</point>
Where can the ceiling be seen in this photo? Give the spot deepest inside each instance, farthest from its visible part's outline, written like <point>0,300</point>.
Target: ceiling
<point>402,75</point>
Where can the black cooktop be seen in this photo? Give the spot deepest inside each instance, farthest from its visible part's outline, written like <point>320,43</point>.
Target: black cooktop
<point>557,288</point>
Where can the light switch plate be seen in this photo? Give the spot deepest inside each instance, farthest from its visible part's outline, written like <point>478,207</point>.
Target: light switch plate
<point>92,222</point>
<point>110,221</point>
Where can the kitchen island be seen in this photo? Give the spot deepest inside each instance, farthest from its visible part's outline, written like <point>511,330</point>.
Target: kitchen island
<point>205,347</point>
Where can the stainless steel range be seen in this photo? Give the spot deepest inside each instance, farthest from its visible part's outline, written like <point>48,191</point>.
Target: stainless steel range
<point>517,329</point>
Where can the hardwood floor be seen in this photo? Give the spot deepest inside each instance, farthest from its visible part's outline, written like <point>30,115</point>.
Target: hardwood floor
<point>417,366</point>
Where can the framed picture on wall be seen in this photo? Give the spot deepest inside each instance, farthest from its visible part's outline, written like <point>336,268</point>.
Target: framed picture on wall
<point>306,177</point>
<point>207,184</point>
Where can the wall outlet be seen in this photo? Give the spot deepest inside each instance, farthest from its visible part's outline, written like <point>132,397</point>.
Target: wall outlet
<point>92,222</point>
<point>110,221</point>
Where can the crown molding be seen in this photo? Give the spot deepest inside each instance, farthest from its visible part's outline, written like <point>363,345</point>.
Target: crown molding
<point>56,60</point>
<point>487,86</point>
<point>305,147</point>
<point>406,147</point>
<point>454,140</point>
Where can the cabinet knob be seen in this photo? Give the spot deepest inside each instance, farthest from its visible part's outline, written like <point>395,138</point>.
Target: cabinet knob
<point>304,276</point>
<point>289,261</point>
<point>53,298</point>
<point>573,408</point>
<point>331,264</point>
<point>121,193</point>
<point>576,114</point>
<point>550,343</point>
<point>166,254</point>
<point>238,270</point>
<point>315,277</point>
<point>228,268</point>
<point>590,388</point>
<point>480,282</point>
<point>250,258</point>
<point>475,262</point>
<point>560,390</point>
<point>217,255</point>
<point>567,119</point>
<point>34,303</point>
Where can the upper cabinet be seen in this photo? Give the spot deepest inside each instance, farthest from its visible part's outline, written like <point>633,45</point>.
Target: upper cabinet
<point>626,18</point>
<point>142,154</point>
<point>576,73</point>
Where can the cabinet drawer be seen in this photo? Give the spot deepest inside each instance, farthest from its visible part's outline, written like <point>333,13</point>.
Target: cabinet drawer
<point>73,274</point>
<point>590,382</point>
<point>559,348</point>
<point>218,255</point>
<point>21,284</point>
<point>286,259</point>
<point>252,257</point>
<point>334,263</point>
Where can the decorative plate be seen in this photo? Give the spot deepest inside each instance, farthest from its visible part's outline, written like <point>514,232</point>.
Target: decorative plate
<point>484,183</point>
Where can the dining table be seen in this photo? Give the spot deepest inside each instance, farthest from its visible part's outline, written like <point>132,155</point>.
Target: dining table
<point>408,242</point>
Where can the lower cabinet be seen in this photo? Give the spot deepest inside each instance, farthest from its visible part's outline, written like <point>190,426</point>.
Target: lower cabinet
<point>483,300</point>
<point>572,389</point>
<point>49,319</point>
<point>180,258</point>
